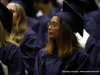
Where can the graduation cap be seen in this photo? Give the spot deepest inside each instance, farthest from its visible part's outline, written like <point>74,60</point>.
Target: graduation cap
<point>93,6</point>
<point>72,18</point>
<point>6,17</point>
<point>26,4</point>
<point>79,5</point>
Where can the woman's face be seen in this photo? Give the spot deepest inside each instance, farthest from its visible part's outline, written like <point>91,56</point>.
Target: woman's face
<point>54,28</point>
<point>12,8</point>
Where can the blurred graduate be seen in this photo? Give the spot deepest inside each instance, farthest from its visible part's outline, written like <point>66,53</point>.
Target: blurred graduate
<point>95,13</point>
<point>43,19</point>
<point>28,6</point>
<point>90,30</point>
<point>81,6</point>
<point>24,36</point>
<point>10,54</point>
<point>47,7</point>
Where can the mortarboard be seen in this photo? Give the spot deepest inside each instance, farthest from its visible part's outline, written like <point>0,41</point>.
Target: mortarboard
<point>73,19</point>
<point>6,17</point>
<point>26,4</point>
<point>79,5</point>
<point>93,6</point>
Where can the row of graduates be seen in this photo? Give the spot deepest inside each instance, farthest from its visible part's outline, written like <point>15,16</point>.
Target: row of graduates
<point>56,57</point>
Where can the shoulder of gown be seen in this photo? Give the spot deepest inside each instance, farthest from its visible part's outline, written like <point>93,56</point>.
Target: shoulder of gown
<point>11,56</point>
<point>79,61</point>
<point>33,24</point>
<point>29,48</point>
<point>90,26</point>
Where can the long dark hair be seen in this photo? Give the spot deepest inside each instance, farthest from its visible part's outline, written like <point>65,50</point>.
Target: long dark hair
<point>68,41</point>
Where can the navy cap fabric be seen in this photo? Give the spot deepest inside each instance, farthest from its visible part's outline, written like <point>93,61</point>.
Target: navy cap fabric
<point>72,18</point>
<point>93,6</point>
<point>6,17</point>
<point>26,4</point>
<point>79,5</point>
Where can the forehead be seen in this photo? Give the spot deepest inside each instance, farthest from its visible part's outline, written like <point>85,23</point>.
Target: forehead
<point>11,6</point>
<point>55,19</point>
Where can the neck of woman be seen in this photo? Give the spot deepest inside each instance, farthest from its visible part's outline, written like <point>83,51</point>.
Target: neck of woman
<point>12,31</point>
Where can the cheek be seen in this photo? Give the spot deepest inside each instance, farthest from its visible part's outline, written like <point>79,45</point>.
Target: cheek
<point>55,34</point>
<point>14,17</point>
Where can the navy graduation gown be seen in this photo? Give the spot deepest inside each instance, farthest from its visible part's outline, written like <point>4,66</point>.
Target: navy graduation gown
<point>11,56</point>
<point>43,30</point>
<point>96,16</point>
<point>90,26</point>
<point>29,48</point>
<point>51,64</point>
<point>33,24</point>
<point>91,49</point>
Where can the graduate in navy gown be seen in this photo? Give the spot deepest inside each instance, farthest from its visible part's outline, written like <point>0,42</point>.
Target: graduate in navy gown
<point>43,31</point>
<point>94,13</point>
<point>10,54</point>
<point>43,19</point>
<point>81,6</point>
<point>25,37</point>
<point>93,7</point>
<point>46,7</point>
<point>90,44</point>
<point>63,53</point>
<point>28,6</point>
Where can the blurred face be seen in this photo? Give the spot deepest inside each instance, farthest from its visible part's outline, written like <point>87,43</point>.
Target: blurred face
<point>35,7</point>
<point>39,5</point>
<point>54,28</point>
<point>12,8</point>
<point>5,2</point>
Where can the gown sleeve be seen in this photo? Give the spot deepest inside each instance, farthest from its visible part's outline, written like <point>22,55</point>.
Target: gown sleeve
<point>33,24</point>
<point>14,61</point>
<point>89,43</point>
<point>29,48</point>
<point>79,62</point>
<point>89,21</point>
<point>91,49</point>
<point>38,68</point>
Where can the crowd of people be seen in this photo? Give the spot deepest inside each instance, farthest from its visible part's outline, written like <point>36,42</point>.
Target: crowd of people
<point>44,37</point>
